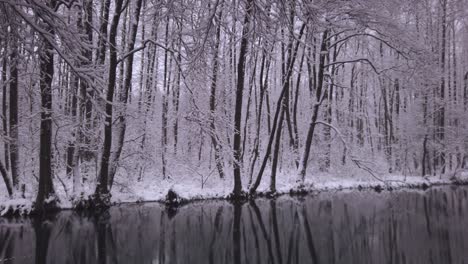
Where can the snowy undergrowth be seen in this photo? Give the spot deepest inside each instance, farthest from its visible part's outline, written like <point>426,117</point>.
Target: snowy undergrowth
<point>189,187</point>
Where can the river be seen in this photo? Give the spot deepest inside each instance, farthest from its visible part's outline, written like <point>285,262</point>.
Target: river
<point>404,226</point>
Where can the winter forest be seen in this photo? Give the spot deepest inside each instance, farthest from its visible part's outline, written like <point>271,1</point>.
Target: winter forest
<point>103,100</point>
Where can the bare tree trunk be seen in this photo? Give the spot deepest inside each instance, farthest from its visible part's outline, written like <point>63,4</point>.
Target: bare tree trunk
<point>4,169</point>
<point>102,191</point>
<point>6,179</point>
<point>237,191</point>
<point>465,92</point>
<point>146,96</point>
<point>315,111</point>
<point>265,66</point>
<point>125,93</point>
<point>286,77</point>
<point>143,67</point>
<point>102,42</point>
<point>424,157</point>
<point>86,150</point>
<point>165,103</point>
<point>294,111</point>
<point>176,91</point>
<point>14,153</point>
<point>387,118</point>
<point>73,92</point>
<point>121,66</point>
<point>247,111</point>
<point>88,27</point>
<point>46,187</point>
<point>4,112</point>
<point>73,140</point>
<point>441,125</point>
<point>279,108</point>
<point>214,141</point>
<point>329,114</point>
<point>286,100</point>
<point>274,163</point>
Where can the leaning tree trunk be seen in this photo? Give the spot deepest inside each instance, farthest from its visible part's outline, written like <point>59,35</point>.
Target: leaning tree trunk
<point>239,94</point>
<point>263,85</point>
<point>315,111</point>
<point>102,191</point>
<point>286,77</point>
<point>279,107</point>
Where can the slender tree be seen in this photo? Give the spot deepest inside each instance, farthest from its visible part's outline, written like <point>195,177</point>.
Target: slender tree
<point>14,135</point>
<point>315,109</point>
<point>239,98</point>
<point>102,194</point>
<point>214,140</point>
<point>126,91</point>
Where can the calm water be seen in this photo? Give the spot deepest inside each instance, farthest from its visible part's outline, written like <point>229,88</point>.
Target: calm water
<point>352,227</point>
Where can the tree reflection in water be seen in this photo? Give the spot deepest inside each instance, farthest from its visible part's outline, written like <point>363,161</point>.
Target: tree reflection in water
<point>353,227</point>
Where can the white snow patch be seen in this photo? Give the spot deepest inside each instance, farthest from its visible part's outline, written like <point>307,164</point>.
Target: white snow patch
<point>153,188</point>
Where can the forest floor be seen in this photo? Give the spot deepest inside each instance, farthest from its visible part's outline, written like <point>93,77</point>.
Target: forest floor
<point>190,189</point>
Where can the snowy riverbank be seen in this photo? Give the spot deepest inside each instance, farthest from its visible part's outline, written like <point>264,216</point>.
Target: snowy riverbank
<point>188,190</point>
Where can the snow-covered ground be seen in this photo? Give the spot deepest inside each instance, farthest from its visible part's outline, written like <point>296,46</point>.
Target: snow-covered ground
<point>156,191</point>
<point>190,188</point>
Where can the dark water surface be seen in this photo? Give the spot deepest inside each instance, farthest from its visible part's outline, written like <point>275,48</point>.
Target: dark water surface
<point>343,227</point>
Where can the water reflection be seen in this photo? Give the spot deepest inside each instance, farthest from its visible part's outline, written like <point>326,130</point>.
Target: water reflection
<point>366,227</point>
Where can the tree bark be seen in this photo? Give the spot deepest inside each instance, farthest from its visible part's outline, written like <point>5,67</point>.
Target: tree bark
<point>102,41</point>
<point>146,95</point>
<point>71,148</point>
<point>265,66</point>
<point>424,157</point>
<point>176,91</point>
<point>214,140</point>
<point>4,113</point>
<point>441,125</point>
<point>4,169</point>
<point>329,114</point>
<point>315,111</point>
<point>6,179</point>
<point>46,188</point>
<point>14,153</point>
<point>102,190</point>
<point>279,108</point>
<point>237,191</point>
<point>165,102</point>
<point>125,94</point>
<point>465,92</point>
<point>294,110</point>
<point>286,77</point>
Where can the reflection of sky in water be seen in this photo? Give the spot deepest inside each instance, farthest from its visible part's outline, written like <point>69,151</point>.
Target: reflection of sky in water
<point>351,227</point>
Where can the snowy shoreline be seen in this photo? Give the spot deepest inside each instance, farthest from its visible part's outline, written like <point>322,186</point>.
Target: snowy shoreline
<point>146,193</point>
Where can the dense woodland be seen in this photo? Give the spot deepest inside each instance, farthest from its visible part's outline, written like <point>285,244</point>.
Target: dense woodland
<point>242,90</point>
